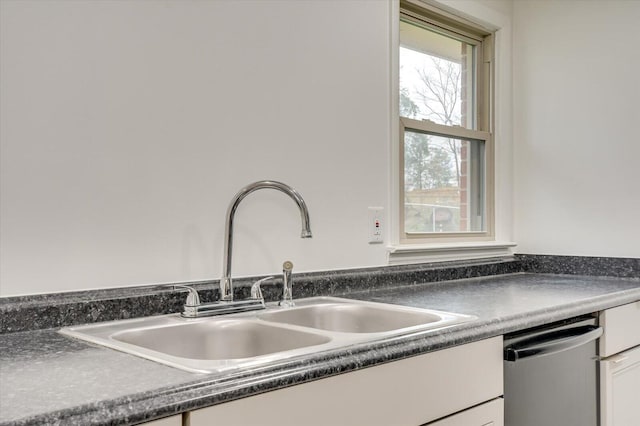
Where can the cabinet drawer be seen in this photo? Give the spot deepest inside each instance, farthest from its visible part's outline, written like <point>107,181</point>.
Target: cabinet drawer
<point>621,328</point>
<point>488,414</point>
<point>409,392</point>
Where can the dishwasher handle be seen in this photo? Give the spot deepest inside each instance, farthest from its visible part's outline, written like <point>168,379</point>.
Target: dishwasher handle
<point>552,342</point>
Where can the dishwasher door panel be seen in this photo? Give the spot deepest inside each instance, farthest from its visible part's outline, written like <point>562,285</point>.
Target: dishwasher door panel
<point>558,388</point>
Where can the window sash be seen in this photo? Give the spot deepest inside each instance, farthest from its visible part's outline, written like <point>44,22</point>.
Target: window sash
<point>457,132</point>
<point>485,185</point>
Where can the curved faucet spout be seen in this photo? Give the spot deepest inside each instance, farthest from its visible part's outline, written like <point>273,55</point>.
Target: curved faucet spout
<point>226,283</point>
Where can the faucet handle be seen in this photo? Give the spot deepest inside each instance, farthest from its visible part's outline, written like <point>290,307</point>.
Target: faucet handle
<point>256,291</point>
<point>287,281</point>
<point>192,299</point>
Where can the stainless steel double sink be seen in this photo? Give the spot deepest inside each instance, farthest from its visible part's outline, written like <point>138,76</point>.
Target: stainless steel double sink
<point>228,342</point>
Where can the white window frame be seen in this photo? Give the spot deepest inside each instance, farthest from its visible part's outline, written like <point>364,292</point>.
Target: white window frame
<point>409,248</point>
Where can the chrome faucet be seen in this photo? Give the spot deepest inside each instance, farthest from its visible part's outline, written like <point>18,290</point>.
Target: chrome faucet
<point>226,282</point>
<point>226,305</point>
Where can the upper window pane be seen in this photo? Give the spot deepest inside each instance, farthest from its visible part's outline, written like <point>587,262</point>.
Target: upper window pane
<point>436,77</point>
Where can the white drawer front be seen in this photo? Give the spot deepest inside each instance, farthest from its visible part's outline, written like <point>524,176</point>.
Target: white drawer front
<point>621,328</point>
<point>408,392</point>
<point>167,421</point>
<point>488,414</point>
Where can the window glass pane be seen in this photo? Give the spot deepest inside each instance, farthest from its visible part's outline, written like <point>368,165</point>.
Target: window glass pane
<point>443,184</point>
<point>436,77</point>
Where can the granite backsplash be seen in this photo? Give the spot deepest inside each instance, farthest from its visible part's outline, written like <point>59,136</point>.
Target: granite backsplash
<point>53,310</point>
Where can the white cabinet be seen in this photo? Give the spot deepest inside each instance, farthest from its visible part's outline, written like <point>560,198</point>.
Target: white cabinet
<point>620,366</point>
<point>620,388</point>
<point>167,421</point>
<point>411,391</point>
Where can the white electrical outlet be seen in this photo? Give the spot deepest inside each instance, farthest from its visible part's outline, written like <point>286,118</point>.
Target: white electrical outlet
<point>375,225</point>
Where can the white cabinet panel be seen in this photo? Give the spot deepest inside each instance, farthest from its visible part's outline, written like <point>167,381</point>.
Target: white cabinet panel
<point>412,391</point>
<point>620,389</point>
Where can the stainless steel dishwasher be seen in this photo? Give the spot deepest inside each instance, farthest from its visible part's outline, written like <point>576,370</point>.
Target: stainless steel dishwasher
<point>550,375</point>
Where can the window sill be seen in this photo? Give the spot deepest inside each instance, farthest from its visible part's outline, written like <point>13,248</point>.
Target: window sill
<point>424,253</point>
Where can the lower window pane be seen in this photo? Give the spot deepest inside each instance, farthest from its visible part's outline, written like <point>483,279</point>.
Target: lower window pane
<point>444,184</point>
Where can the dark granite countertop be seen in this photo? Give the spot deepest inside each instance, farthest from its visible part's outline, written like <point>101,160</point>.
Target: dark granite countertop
<point>47,378</point>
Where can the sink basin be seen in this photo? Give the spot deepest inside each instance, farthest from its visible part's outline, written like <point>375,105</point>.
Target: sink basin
<point>235,341</point>
<point>353,317</point>
<point>203,345</point>
<point>220,340</point>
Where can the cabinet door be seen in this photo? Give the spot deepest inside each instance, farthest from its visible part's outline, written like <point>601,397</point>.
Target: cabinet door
<point>488,414</point>
<point>408,392</point>
<point>620,389</point>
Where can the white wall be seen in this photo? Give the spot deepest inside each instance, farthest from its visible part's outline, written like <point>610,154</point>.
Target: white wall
<point>576,110</point>
<point>126,128</point>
